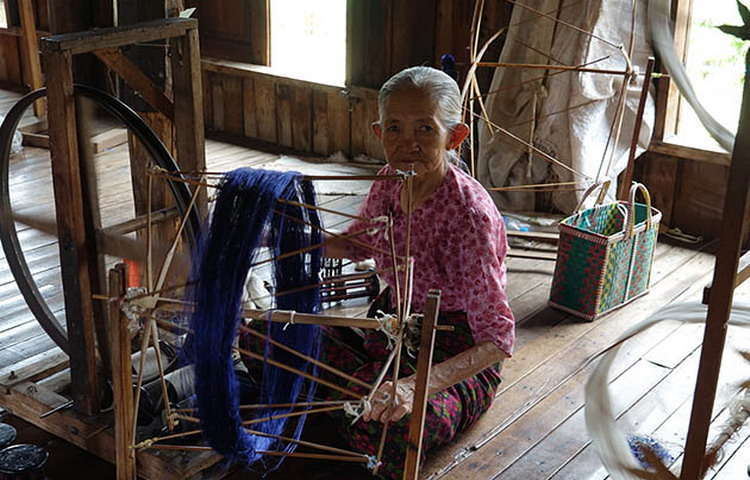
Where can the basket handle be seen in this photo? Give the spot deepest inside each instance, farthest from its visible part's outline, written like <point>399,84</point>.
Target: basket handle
<point>604,186</point>
<point>631,208</point>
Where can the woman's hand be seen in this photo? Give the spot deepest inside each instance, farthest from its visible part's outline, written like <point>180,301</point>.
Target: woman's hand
<point>381,409</point>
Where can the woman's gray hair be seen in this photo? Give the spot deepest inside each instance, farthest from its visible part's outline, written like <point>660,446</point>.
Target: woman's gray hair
<point>438,85</point>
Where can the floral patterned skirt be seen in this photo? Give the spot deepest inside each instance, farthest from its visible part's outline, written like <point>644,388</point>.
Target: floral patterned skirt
<point>448,412</point>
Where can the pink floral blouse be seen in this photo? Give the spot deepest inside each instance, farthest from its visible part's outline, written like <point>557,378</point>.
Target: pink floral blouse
<point>458,243</point>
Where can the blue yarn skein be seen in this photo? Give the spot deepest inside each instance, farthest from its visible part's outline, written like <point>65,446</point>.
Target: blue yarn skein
<point>247,212</point>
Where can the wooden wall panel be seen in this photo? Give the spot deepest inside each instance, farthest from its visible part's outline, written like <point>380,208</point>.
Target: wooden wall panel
<point>299,115</point>
<point>234,29</point>
<point>331,121</point>
<point>233,105</point>
<point>339,122</point>
<point>302,118</point>
<point>217,101</point>
<point>208,113</point>
<point>265,102</point>
<point>368,42</point>
<point>10,60</point>
<point>413,34</point>
<point>321,127</point>
<point>359,122</point>
<point>250,116</point>
<point>284,114</point>
<point>699,198</point>
<point>659,174</point>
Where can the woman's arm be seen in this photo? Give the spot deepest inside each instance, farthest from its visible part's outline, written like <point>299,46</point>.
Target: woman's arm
<point>443,375</point>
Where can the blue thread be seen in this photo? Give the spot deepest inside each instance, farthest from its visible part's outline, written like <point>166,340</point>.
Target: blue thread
<point>246,214</point>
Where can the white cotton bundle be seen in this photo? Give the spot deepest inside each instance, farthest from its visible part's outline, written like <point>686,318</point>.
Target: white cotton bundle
<point>610,443</point>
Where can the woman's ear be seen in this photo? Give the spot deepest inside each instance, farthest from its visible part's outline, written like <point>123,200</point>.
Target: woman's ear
<point>457,135</point>
<point>377,130</point>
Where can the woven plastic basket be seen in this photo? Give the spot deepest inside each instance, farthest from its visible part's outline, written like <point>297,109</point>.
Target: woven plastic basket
<point>604,256</point>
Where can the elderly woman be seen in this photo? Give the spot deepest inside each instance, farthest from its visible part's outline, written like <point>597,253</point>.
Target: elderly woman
<point>458,243</point>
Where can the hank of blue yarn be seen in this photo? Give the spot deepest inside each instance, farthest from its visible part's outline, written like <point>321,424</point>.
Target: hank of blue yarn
<point>248,216</point>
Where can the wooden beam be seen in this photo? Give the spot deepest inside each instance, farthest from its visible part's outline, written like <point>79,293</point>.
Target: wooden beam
<point>71,228</point>
<point>127,70</point>
<point>733,227</point>
<point>422,383</point>
<point>38,140</point>
<point>30,44</point>
<point>627,176</point>
<point>88,41</point>
<point>683,152</point>
<point>110,138</point>
<point>141,221</point>
<point>188,110</point>
<point>122,381</point>
<point>31,400</point>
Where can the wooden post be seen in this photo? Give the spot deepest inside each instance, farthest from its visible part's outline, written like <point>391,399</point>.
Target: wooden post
<point>122,383</point>
<point>74,250</point>
<point>720,299</point>
<point>627,176</point>
<point>188,105</point>
<point>424,365</point>
<point>31,49</point>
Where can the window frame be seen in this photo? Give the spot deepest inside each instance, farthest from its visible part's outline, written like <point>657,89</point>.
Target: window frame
<point>669,102</point>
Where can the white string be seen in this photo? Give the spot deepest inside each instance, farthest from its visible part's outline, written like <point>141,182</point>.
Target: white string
<point>387,324</point>
<point>610,443</point>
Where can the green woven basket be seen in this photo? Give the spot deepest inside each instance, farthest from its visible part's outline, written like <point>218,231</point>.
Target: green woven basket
<point>604,256</point>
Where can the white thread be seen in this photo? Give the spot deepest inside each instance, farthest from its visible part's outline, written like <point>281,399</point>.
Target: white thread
<point>387,324</point>
<point>291,319</point>
<point>372,462</point>
<point>357,409</point>
<point>406,173</point>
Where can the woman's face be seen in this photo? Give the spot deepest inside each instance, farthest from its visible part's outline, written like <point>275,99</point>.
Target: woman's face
<point>411,132</point>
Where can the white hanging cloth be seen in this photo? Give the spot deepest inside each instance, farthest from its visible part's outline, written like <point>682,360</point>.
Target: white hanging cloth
<point>573,112</point>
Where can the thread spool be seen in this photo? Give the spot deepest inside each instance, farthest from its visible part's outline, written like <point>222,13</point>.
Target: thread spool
<point>7,435</point>
<point>23,462</point>
<point>151,366</point>
<point>179,387</point>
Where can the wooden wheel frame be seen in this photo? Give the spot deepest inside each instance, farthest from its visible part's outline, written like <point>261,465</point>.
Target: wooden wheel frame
<point>8,236</point>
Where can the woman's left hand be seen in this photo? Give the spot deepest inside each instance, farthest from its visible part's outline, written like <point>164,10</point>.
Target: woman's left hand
<point>381,409</point>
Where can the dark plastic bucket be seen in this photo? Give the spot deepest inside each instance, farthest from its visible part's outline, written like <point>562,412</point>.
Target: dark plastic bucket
<point>22,462</point>
<point>7,434</point>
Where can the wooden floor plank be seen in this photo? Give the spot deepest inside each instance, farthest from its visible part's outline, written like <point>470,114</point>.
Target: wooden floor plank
<point>563,361</point>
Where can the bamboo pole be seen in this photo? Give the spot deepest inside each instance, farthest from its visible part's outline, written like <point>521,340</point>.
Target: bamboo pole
<point>299,372</point>
<point>306,358</point>
<point>541,66</point>
<point>528,186</point>
<point>312,456</point>
<point>122,389</point>
<point>422,382</point>
<point>627,177</point>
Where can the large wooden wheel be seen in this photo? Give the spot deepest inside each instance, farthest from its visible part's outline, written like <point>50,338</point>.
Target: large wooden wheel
<point>8,235</point>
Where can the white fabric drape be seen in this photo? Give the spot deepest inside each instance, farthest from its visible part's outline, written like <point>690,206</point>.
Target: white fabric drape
<point>578,136</point>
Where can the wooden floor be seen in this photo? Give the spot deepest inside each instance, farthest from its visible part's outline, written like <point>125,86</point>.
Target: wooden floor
<point>534,430</point>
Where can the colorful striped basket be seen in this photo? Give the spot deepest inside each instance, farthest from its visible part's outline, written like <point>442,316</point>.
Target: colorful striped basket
<point>604,256</point>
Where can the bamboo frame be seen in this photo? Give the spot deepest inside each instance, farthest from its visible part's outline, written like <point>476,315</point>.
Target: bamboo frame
<point>403,304</point>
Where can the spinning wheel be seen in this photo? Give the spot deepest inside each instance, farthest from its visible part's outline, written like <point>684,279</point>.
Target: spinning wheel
<point>8,235</point>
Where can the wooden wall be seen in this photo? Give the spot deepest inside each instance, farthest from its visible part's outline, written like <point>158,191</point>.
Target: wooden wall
<point>297,115</point>
<point>688,192</point>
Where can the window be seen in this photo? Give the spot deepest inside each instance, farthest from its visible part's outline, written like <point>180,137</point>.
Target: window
<point>308,39</point>
<point>233,29</point>
<point>715,62</point>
